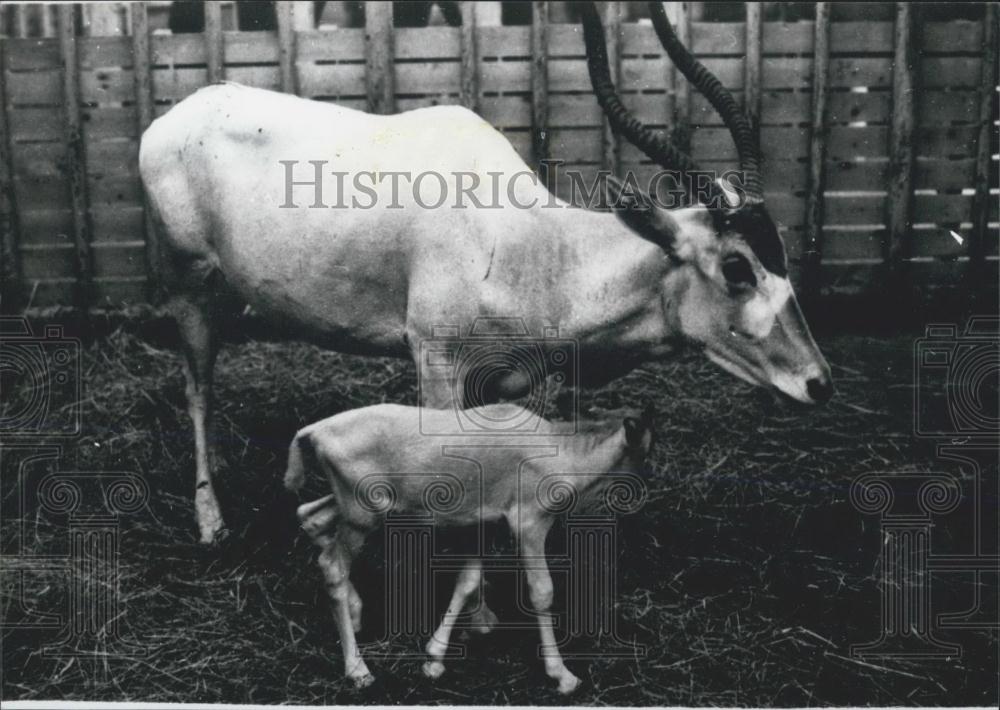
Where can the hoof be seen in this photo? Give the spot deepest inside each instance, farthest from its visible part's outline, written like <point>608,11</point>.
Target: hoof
<point>484,620</point>
<point>363,681</point>
<point>433,669</point>
<point>214,536</point>
<point>568,683</point>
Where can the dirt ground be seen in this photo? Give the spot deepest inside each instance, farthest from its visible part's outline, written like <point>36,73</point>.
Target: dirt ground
<point>746,576</point>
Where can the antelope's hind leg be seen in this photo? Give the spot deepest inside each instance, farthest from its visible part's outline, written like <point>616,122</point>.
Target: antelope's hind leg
<point>200,344</point>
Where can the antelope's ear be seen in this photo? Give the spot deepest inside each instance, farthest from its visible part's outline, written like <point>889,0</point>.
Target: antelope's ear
<point>637,210</point>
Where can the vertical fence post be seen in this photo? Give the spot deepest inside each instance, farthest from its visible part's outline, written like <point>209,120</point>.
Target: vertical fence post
<point>380,83</point>
<point>812,247</point>
<point>213,41</point>
<point>981,200</point>
<point>469,90</point>
<point>76,158</point>
<point>49,20</point>
<point>752,66</point>
<point>540,87</point>
<point>10,293</point>
<point>21,20</point>
<point>899,200</point>
<point>144,116</point>
<point>681,18</point>
<point>610,147</point>
<point>285,16</point>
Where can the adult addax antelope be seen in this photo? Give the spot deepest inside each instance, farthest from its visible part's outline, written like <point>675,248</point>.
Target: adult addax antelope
<point>628,286</point>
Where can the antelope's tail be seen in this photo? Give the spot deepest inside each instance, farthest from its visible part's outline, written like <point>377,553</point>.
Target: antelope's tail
<point>295,474</point>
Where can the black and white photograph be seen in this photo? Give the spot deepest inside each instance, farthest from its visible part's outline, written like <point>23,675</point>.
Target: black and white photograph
<point>508,353</point>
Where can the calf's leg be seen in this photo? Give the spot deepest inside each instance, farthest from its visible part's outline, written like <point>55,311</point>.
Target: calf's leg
<point>531,537</point>
<point>335,563</point>
<point>437,392</point>
<point>319,520</point>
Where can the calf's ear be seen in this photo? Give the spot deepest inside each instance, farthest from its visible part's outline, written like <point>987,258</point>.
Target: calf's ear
<point>634,431</point>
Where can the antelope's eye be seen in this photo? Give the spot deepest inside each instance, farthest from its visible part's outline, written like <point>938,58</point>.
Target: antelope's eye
<point>738,271</point>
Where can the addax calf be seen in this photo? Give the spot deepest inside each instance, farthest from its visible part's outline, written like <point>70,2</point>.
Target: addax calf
<point>378,462</point>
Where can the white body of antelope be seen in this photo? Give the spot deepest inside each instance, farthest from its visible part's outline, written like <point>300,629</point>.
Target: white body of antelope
<point>378,461</point>
<point>629,286</point>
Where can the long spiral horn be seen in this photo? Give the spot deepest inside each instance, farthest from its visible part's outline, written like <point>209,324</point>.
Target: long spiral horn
<point>720,98</point>
<point>620,118</point>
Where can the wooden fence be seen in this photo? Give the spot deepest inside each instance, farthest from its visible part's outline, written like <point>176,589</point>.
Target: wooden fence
<point>880,137</point>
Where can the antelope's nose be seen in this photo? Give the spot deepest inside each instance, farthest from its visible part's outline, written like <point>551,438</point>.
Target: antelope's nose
<point>820,389</point>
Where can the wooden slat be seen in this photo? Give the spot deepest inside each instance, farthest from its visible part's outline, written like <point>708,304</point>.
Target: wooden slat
<point>949,72</point>
<point>115,191</point>
<point>681,20</point>
<point>214,51</point>
<point>286,46</point>
<point>900,189</point>
<point>119,260</point>
<point>141,57</point>
<point>118,224</point>
<point>10,270</point>
<point>610,146</point>
<point>789,176</point>
<point>24,55</point>
<point>251,48</point>
<point>332,80</point>
<point>539,84</point>
<point>933,108</point>
<point>113,158</point>
<point>812,246</point>
<point>47,226</point>
<point>143,80</point>
<point>379,71</point>
<point>76,158</point>
<point>727,38</point>
<point>954,36</point>
<point>428,78</point>
<point>104,52</point>
<point>437,43</point>
<point>183,49</point>
<point>341,44</point>
<point>752,66</point>
<point>984,165</point>
<point>509,41</point>
<point>469,58</point>
<point>41,88</point>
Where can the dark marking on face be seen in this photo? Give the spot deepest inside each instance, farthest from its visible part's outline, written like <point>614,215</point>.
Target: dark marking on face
<point>754,225</point>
